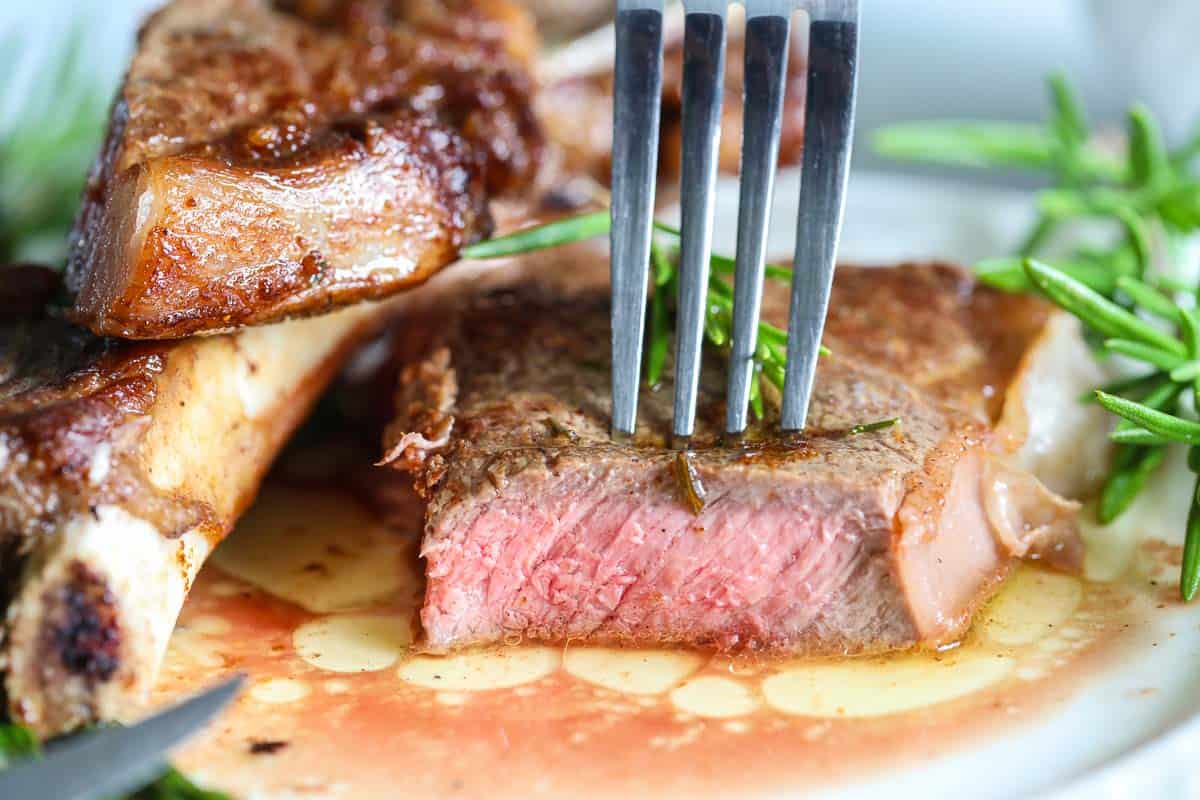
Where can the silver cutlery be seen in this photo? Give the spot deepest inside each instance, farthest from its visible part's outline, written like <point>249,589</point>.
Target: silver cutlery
<point>109,762</point>
<point>828,131</point>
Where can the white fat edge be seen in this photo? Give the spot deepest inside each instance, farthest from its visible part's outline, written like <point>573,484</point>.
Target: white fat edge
<point>147,573</point>
<point>4,452</point>
<point>1066,442</point>
<point>100,465</point>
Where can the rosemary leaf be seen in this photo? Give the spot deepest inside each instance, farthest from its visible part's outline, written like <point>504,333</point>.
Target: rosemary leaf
<point>1066,119</point>
<point>1132,467</point>
<point>968,144</point>
<point>756,398</point>
<point>1139,436</point>
<point>1097,311</point>
<point>1137,237</point>
<point>1189,576</point>
<point>16,742</point>
<point>1187,372</point>
<point>540,237</point>
<point>871,427</point>
<point>1042,230</point>
<point>1154,421</point>
<point>1148,298</point>
<point>1148,159</point>
<point>1189,329</point>
<point>1147,353</point>
<point>1127,386</point>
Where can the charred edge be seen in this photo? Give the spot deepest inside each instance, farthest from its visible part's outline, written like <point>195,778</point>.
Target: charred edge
<point>83,632</point>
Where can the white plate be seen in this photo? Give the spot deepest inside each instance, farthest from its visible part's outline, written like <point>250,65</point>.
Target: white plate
<point>1112,738</point>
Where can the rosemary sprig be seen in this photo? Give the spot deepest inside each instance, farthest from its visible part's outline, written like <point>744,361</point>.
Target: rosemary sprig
<point>1146,194</point>
<point>770,359</point>
<point>44,155</point>
<point>871,427</point>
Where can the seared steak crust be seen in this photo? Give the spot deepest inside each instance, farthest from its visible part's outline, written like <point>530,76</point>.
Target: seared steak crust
<point>539,525</point>
<point>265,162</point>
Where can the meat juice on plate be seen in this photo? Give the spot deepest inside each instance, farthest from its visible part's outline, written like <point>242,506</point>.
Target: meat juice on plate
<point>316,600</point>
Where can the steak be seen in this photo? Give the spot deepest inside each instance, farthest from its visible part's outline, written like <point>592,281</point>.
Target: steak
<point>832,541</point>
<point>122,464</point>
<point>270,160</point>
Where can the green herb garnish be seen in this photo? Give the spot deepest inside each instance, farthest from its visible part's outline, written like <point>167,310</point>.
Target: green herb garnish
<point>871,427</point>
<point>45,153</point>
<point>770,358</point>
<point>16,743</point>
<point>1147,195</point>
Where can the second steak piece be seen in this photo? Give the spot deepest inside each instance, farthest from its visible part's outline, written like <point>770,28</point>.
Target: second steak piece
<point>835,541</point>
<point>265,161</point>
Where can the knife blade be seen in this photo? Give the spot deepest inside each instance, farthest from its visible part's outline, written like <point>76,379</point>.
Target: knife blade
<point>113,761</point>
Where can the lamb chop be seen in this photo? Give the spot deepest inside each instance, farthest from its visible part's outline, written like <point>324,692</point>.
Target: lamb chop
<point>834,541</point>
<point>266,161</point>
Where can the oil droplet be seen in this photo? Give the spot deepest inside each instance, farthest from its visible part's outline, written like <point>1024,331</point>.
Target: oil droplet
<point>451,698</point>
<point>631,671</point>
<point>712,696</point>
<point>480,670</point>
<point>878,686</point>
<point>352,643</point>
<point>1029,607</point>
<point>279,690</point>
<point>336,686</point>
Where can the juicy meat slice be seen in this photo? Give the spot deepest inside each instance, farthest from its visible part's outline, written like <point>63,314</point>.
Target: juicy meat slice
<point>266,161</point>
<point>538,525</point>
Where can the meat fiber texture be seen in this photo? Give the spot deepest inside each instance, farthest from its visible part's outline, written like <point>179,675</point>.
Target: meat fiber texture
<point>830,541</point>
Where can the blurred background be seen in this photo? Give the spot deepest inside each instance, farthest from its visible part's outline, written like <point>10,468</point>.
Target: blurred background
<point>983,59</point>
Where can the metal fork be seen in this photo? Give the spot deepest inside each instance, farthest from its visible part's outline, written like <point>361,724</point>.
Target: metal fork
<point>828,130</point>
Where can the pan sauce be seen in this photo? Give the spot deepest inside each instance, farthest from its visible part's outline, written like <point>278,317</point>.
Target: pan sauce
<point>316,600</point>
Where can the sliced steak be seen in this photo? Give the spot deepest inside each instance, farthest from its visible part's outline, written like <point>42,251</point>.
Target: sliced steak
<point>266,161</point>
<point>829,542</point>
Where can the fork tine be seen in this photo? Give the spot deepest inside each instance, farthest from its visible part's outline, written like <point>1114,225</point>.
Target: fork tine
<point>703,76</point>
<point>767,33</point>
<point>828,130</point>
<point>636,105</point>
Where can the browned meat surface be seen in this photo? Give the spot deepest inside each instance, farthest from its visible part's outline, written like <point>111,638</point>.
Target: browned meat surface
<point>537,525</point>
<point>122,464</point>
<point>266,161</point>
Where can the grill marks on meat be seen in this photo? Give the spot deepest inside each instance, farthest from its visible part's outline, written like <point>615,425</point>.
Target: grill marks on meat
<point>265,162</point>
<point>538,525</point>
